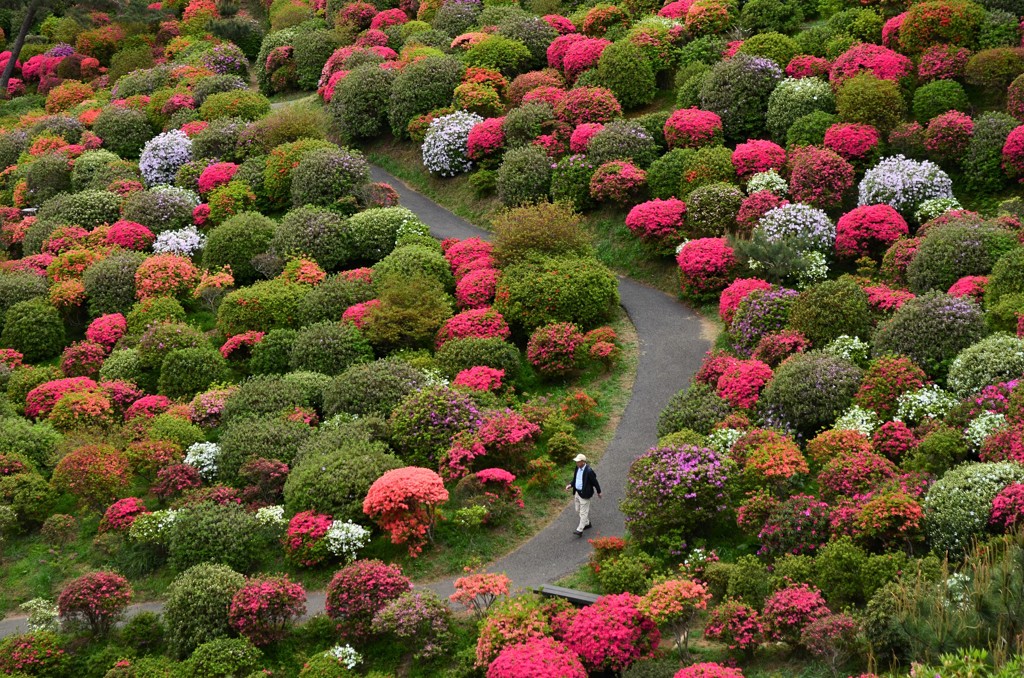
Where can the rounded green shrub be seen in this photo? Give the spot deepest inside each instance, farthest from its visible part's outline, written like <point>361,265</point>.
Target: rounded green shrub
<point>214,533</point>
<point>829,310</point>
<point>18,287</point>
<point>241,103</point>
<point>359,106</point>
<point>35,329</point>
<point>110,283</point>
<point>87,209</point>
<point>935,98</point>
<point>263,306</point>
<point>414,261</point>
<point>236,242</point>
<point>46,177</point>
<point>156,310</point>
<point>758,16</point>
<point>795,98</point>
<point>273,353</point>
<point>124,130</point>
<point>524,176</point>
<point>711,210</point>
<point>738,91</point>
<point>329,177</point>
<point>996,358</point>
<point>313,232</point>
<point>982,162</point>
<point>958,505</point>
<point>188,371</point>
<point>498,53</point>
<point>224,658</point>
<point>461,354</point>
<point>627,72</point>
<point>557,289</point>
<point>197,604</point>
<point>665,174</point>
<point>266,437</point>
<point>329,348</point>
<point>809,130</point>
<point>372,388</point>
<point>809,391</point>
<point>312,49</point>
<point>1007,277</point>
<point>948,253</point>
<point>421,87</point>
<point>870,101</point>
<point>771,45</point>
<point>35,442</point>
<point>696,408</point>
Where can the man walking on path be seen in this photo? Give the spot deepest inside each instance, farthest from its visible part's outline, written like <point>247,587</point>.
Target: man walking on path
<point>584,483</point>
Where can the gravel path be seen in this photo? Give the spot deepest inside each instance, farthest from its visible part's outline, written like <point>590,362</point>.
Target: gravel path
<point>672,345</point>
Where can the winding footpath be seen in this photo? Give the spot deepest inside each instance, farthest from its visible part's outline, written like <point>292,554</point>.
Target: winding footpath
<point>671,346</point>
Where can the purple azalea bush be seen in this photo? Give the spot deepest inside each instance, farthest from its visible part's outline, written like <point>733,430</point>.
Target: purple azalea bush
<point>904,184</point>
<point>163,156</point>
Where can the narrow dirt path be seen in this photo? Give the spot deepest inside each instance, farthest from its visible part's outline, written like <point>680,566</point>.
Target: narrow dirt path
<point>672,342</point>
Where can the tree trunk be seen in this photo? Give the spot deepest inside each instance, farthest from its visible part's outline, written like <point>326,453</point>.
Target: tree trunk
<point>30,17</point>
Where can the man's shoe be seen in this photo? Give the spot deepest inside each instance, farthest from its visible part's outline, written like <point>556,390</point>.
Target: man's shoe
<point>588,526</point>
<point>578,533</point>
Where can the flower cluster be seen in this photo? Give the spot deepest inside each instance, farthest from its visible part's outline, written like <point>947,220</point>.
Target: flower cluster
<point>163,156</point>
<point>120,515</point>
<point>757,156</point>
<point>204,458</point>
<point>446,145</point>
<point>480,378</point>
<point>706,266</point>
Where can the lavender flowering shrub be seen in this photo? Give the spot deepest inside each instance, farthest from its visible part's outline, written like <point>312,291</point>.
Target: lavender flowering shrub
<point>419,618</point>
<point>809,392</point>
<point>675,493</point>
<point>424,422</point>
<point>904,184</point>
<point>226,59</point>
<point>162,208</point>
<point>163,156</point>
<point>445,146</point>
<point>184,241</point>
<point>802,226</point>
<point>760,313</point>
<point>738,90</point>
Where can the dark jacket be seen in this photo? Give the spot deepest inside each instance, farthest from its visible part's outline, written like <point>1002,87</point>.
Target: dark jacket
<point>589,483</point>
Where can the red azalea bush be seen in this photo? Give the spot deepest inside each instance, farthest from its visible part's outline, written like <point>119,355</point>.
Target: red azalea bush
<point>807,66</point>
<point>708,670</point>
<point>884,63</point>
<point>617,181</point>
<point>480,378</point>
<point>263,609</point>
<point>240,345</point>
<point>83,359</point>
<point>657,221</point>
<point>95,474</point>
<point>736,292</point>
<point>40,400</point>
<point>947,135</point>
<point>834,443</point>
<point>129,235</point>
<point>560,23</point>
<point>356,313</point>
<point>462,252</point>
<point>176,479</point>
<point>789,611</point>
<point>886,379</point>
<point>735,624</point>
<point>164,275</point>
<point>480,323</point>
<point>588,104</point>
<point>1008,507</point>
<point>98,599</point>
<point>889,519</point>
<point>536,657</point>
<point>580,138</point>
<point>148,407</point>
<point>216,175</point>
<point>552,349</point>
<point>776,458</point>
<point>692,128</point>
<point>1013,153</point>
<point>855,473</point>
<point>853,141</point>
<point>359,591</point>
<point>556,52</point>
<point>755,206</point>
<point>612,633</point>
<point>972,286</point>
<point>741,383</point>
<point>120,515</point>
<point>800,524</point>
<point>893,439</point>
<point>106,330</point>
<point>757,155</point>
<point>37,651</point>
<point>476,288</point>
<point>955,22</point>
<point>388,18</point>
<point>942,62</point>
<point>706,266</point>
<point>869,230</point>
<point>819,177</point>
<point>404,502</point>
<point>485,139</point>
<point>304,542</point>
<point>582,55</point>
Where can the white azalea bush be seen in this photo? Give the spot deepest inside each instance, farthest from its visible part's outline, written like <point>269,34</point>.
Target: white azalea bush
<point>203,457</point>
<point>445,147</point>
<point>958,505</point>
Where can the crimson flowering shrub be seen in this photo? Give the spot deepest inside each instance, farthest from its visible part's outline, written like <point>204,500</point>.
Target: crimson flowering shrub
<point>176,479</point>
<point>41,399</point>
<point>106,330</point>
<point>735,624</point>
<point>893,439</point>
<point>742,381</point>
<point>480,378</point>
<point>304,542</point>
<point>1008,507</point>
<point>855,473</point>
<point>972,286</point>
<point>216,175</point>
<point>553,349</point>
<point>95,474</point>
<point>886,300</point>
<point>659,222</point>
<point>580,138</point>
<point>120,515</point>
<point>612,633</point>
<point>708,670</point>
<point>98,599</point>
<point>263,609</point>
<point>1013,153</point>
<point>800,524</point>
<point>359,591</point>
<point>757,155</point>
<point>130,235</point>
<point>39,652</point>
<point>942,62</point>
<point>947,135</point>
<point>83,359</point>
<point>165,275</point>
<point>588,104</point>
<point>881,61</point>
<point>819,177</point>
<point>868,231</point>
<point>776,347</point>
<point>476,288</point>
<point>480,323</point>
<point>808,66</point>
<point>788,611</point>
<point>582,55</point>
<point>692,128</point>
<point>737,291</point>
<point>706,266</point>
<point>541,656</point>
<point>886,379</point>
<point>755,206</point>
<point>148,407</point>
<point>388,18</point>
<point>459,252</point>
<point>404,502</point>
<point>855,142</point>
<point>555,54</point>
<point>617,181</point>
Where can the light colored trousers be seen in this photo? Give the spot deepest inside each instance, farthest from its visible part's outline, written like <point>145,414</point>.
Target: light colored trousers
<point>582,507</point>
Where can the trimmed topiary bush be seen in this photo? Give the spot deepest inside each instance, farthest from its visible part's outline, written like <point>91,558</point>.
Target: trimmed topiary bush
<point>524,176</point>
<point>314,232</point>
<point>236,242</point>
<point>829,310</point>
<point>372,388</point>
<point>696,408</point>
<point>124,130</point>
<point>421,87</point>
<point>809,391</point>
<point>461,354</point>
<point>186,372</point>
<point>110,283</point>
<point>996,358</point>
<point>935,98</point>
<point>948,253</point>
<point>557,289</point>
<point>197,606</point>
<point>625,70</point>
<point>329,177</point>
<point>738,91</point>
<point>329,348</point>
<point>35,329</point>
<point>958,505</point>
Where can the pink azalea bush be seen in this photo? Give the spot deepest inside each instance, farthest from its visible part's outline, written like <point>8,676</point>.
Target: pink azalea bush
<point>757,155</point>
<point>304,541</point>
<point>708,670</point>
<point>741,383</point>
<point>120,515</point>
<point>552,349</point>
<point>481,323</point>
<point>404,503</point>
<point>617,181</point>
<point>853,141</point>
<point>868,230</point>
<point>788,611</point>
<point>535,657</point>
<point>706,266</point>
<point>264,607</point>
<point>97,599</point>
<point>612,633</point>
<point>657,221</point>
<point>480,378</point>
<point>359,591</point>
<point>106,330</point>
<point>580,138</point>
<point>735,293</point>
<point>692,128</point>
<point>475,290</point>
